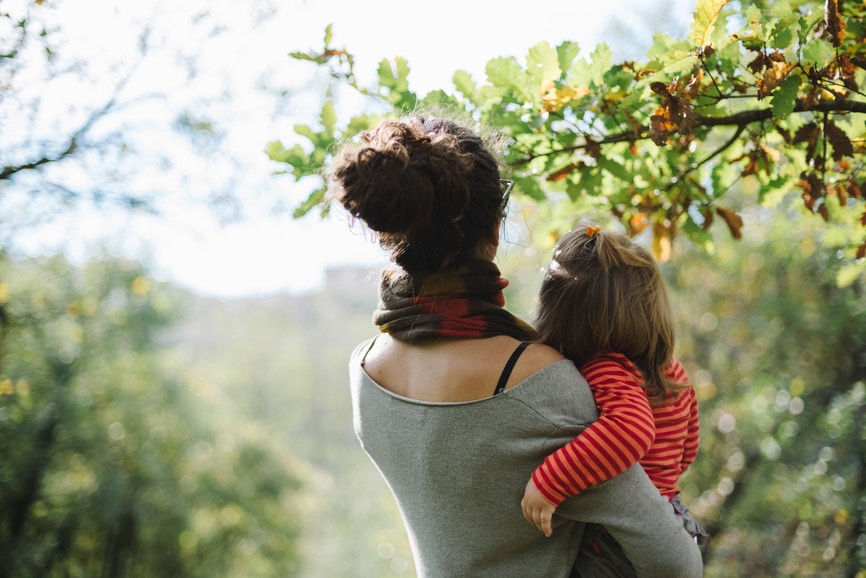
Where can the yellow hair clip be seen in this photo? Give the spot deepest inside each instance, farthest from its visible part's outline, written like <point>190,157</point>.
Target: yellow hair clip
<point>591,230</point>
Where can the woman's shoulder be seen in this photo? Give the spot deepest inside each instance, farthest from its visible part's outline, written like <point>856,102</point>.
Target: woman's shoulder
<point>534,358</point>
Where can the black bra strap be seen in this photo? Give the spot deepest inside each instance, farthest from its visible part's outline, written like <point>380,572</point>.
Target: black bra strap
<point>509,365</point>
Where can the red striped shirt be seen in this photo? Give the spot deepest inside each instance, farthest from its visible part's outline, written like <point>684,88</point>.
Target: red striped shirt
<point>663,439</point>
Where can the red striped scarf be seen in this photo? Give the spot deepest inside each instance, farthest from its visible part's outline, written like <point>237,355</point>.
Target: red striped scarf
<point>466,302</point>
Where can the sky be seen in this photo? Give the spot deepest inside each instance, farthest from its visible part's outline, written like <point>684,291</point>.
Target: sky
<point>269,252</point>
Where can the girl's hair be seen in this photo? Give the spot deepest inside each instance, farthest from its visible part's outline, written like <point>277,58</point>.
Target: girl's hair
<point>429,188</point>
<point>603,292</point>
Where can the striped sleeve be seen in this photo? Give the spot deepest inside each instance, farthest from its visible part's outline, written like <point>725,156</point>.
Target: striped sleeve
<point>619,438</point>
<point>690,448</point>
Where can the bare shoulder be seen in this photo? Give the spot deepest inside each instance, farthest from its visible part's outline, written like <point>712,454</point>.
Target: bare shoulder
<point>536,357</point>
<point>543,354</point>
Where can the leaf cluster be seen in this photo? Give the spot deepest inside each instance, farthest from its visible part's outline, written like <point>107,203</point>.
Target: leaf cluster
<point>760,98</point>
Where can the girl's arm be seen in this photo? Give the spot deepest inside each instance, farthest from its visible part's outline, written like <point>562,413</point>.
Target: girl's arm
<point>624,432</point>
<point>690,449</point>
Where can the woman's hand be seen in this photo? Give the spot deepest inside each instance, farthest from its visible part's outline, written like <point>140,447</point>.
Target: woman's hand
<point>536,509</point>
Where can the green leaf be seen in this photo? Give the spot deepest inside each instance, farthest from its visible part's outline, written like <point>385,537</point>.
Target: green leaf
<point>706,13</point>
<point>670,56</point>
<point>818,53</point>
<point>616,169</point>
<point>602,60</point>
<point>305,131</point>
<point>275,151</point>
<point>328,117</point>
<point>463,83</point>
<point>566,53</point>
<point>315,199</point>
<point>542,67</point>
<point>505,72</point>
<point>785,96</point>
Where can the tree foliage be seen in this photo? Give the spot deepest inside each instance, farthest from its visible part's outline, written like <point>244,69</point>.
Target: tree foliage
<point>761,97</point>
<point>117,460</point>
<point>777,352</point>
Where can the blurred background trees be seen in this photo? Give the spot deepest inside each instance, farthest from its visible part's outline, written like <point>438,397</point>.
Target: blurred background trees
<point>120,459</point>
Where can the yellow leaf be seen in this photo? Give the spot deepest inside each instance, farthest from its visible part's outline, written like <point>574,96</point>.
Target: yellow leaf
<point>554,99</point>
<point>661,247</point>
<point>706,13</point>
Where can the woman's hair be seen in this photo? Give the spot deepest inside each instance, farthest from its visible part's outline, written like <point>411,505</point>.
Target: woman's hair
<point>428,188</point>
<point>603,292</point>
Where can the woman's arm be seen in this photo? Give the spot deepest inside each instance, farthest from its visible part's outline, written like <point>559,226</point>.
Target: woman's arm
<point>630,507</point>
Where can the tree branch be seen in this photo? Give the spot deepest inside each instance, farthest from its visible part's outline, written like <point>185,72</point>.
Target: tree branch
<point>740,119</point>
<point>9,171</point>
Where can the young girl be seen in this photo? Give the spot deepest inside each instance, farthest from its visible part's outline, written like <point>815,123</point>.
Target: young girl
<point>603,304</point>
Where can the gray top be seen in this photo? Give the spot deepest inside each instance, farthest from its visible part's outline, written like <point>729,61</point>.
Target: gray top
<point>458,470</point>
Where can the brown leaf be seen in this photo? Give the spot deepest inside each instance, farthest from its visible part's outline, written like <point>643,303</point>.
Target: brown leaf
<point>809,134</point>
<point>773,77</point>
<point>813,189</point>
<point>733,220</point>
<point>694,86</point>
<point>708,219</point>
<point>758,63</point>
<point>842,146</point>
<point>659,88</point>
<point>752,166</point>
<point>824,212</point>
<point>841,191</point>
<point>846,66</point>
<point>659,127</point>
<point>861,250</point>
<point>635,126</point>
<point>835,27</point>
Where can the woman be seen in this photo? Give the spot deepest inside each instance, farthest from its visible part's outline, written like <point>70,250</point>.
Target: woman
<point>455,402</point>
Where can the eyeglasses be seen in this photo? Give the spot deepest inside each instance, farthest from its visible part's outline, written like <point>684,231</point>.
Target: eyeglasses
<point>506,186</point>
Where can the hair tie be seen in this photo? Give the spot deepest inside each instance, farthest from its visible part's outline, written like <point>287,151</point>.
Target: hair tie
<point>591,230</point>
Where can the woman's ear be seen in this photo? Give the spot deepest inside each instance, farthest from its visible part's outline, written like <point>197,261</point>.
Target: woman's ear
<point>491,244</point>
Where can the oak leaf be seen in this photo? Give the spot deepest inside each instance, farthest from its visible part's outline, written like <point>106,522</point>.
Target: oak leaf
<point>556,98</point>
<point>842,146</point>
<point>732,220</point>
<point>834,26</point>
<point>773,77</point>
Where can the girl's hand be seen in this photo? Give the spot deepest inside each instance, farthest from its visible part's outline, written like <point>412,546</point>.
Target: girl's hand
<point>536,509</point>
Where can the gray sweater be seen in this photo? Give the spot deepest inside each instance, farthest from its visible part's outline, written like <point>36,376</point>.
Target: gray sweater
<point>458,470</point>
